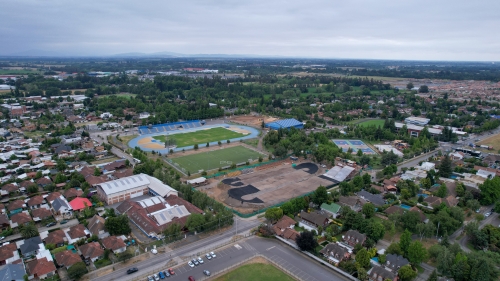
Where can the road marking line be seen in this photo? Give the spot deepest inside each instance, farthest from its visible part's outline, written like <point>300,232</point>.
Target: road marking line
<point>270,248</point>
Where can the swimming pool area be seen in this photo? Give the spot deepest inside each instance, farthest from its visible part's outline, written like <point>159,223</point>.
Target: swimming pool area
<point>406,207</point>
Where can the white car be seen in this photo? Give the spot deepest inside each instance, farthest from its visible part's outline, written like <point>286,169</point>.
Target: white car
<point>156,277</point>
<point>154,251</point>
<point>150,278</point>
<point>208,256</point>
<point>190,264</point>
<point>213,255</point>
<point>487,214</point>
<point>200,260</point>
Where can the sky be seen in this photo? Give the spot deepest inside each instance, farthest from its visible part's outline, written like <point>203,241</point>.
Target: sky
<point>455,30</point>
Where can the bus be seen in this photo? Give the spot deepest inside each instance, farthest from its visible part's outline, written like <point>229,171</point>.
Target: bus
<point>473,153</point>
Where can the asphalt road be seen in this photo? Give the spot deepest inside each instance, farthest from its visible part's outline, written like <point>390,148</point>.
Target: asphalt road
<point>42,229</point>
<point>285,256</point>
<point>414,161</point>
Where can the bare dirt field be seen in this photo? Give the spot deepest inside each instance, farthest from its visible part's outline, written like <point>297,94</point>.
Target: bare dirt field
<point>493,141</point>
<point>267,185</point>
<point>254,121</point>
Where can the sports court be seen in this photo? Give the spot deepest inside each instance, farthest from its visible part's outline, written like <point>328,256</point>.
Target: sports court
<point>355,145</point>
<point>215,159</point>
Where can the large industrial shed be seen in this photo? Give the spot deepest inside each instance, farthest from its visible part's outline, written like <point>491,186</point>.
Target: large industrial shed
<point>285,124</point>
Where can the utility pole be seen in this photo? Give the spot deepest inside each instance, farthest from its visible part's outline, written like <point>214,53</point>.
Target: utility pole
<point>437,231</point>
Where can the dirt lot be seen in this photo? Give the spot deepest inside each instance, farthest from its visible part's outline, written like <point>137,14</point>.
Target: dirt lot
<point>262,188</point>
<point>254,121</point>
<point>493,141</point>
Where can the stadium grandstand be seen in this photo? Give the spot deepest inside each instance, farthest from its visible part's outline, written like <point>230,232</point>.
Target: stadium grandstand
<point>285,124</point>
<point>168,127</point>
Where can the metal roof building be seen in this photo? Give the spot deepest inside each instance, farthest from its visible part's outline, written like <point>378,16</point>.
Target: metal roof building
<point>285,124</point>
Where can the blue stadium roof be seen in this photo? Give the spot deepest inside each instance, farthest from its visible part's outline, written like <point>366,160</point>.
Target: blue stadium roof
<point>495,116</point>
<point>287,123</point>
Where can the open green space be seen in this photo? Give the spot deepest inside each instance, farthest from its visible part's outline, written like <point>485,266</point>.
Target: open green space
<point>123,95</point>
<point>255,272</point>
<point>372,122</point>
<point>200,137</point>
<point>18,71</point>
<point>215,159</point>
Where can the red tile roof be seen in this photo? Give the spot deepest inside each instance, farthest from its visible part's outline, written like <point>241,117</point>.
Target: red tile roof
<point>67,258</point>
<point>41,213</point>
<point>176,200</point>
<point>40,267</point>
<point>35,200</point>
<point>16,204</point>
<point>55,237</point>
<point>7,251</point>
<point>91,250</point>
<point>10,187</point>
<point>80,203</point>
<point>52,196</point>
<point>113,243</point>
<point>73,192</point>
<point>77,231</point>
<point>21,218</point>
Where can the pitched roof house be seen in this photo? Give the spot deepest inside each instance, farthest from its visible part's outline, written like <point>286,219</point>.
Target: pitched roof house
<point>67,258</point>
<point>35,202</point>
<point>313,219</point>
<point>41,214</point>
<point>114,243</point>
<point>57,238</point>
<point>332,209</point>
<point>91,251</point>
<point>394,262</point>
<point>378,273</point>
<point>72,193</point>
<point>76,233</point>
<point>353,237</point>
<point>12,272</point>
<point>19,219</point>
<point>16,205</point>
<point>52,196</point>
<point>8,253</point>
<point>30,246</point>
<point>40,268</point>
<point>96,227</point>
<point>335,253</point>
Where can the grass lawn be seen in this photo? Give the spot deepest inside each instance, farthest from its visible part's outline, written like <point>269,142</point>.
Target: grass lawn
<point>255,272</point>
<point>102,263</point>
<point>372,122</point>
<point>252,142</point>
<point>123,95</point>
<point>105,160</point>
<point>493,141</point>
<point>215,159</point>
<point>201,137</point>
<point>126,138</point>
<point>18,71</point>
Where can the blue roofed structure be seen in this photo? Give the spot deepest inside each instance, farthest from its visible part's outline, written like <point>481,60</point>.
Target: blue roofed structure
<point>285,124</point>
<point>495,116</point>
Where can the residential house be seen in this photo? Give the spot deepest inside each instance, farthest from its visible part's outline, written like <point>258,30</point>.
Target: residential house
<point>422,216</point>
<point>67,258</point>
<point>61,207</point>
<point>76,232</point>
<point>91,251</point>
<point>35,202</point>
<point>43,182</point>
<point>114,243</point>
<point>353,237</point>
<point>285,228</point>
<point>119,164</point>
<point>29,247</point>
<point>10,188</point>
<point>40,268</point>
<point>96,227</point>
<point>332,209</point>
<point>375,199</point>
<point>434,201</point>
<point>52,196</point>
<point>12,272</point>
<point>72,193</point>
<point>352,202</point>
<point>80,203</point>
<point>41,214</point>
<point>16,206</point>
<point>394,210</point>
<point>4,222</point>
<point>57,237</point>
<point>8,254</point>
<point>378,273</point>
<point>313,220</point>
<point>19,219</point>
<point>395,262</point>
<point>335,253</point>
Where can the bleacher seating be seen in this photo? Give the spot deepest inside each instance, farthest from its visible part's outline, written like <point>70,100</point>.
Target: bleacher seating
<point>169,127</point>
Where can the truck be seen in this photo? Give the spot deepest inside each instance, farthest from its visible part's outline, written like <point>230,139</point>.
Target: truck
<point>486,147</point>
<point>294,158</point>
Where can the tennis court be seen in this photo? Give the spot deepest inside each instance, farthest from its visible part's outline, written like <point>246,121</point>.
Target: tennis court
<point>215,159</point>
<point>355,145</point>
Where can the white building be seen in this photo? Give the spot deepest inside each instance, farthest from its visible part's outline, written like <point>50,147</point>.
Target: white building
<point>130,187</point>
<point>106,115</point>
<point>417,121</point>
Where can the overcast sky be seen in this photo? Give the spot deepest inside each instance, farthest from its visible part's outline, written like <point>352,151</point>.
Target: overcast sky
<point>382,29</point>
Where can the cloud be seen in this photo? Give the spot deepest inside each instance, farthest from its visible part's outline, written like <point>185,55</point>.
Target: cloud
<point>384,29</point>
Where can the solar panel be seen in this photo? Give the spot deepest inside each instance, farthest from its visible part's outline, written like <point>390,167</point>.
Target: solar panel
<point>115,184</point>
<point>179,210</point>
<point>127,181</point>
<point>163,217</point>
<point>140,178</point>
<point>170,212</point>
<point>134,179</point>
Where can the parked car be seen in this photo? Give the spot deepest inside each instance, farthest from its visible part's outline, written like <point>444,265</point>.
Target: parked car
<point>191,278</point>
<point>195,262</point>
<point>132,270</point>
<point>154,251</point>
<point>166,273</point>
<point>171,271</point>
<point>213,254</point>
<point>162,276</point>
<point>63,221</point>
<point>2,238</point>
<point>156,277</point>
<point>206,272</point>
<point>190,264</point>
<point>200,260</point>
<point>487,214</point>
<point>208,256</point>
<point>150,278</point>
<point>51,224</point>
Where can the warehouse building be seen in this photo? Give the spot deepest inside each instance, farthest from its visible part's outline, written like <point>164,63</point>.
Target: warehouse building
<point>119,190</point>
<point>285,124</point>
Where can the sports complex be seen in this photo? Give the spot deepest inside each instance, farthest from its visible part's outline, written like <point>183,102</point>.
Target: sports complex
<point>355,145</point>
<point>187,134</point>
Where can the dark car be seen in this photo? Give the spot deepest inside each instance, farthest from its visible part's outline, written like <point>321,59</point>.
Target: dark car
<point>206,272</point>
<point>63,221</point>
<point>132,270</point>
<point>166,273</point>
<point>51,224</point>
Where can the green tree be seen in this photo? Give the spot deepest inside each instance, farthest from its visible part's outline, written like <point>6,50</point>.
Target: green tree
<point>195,222</point>
<point>33,188</point>
<point>196,147</point>
<point>442,191</point>
<point>320,196</point>
<point>490,192</point>
<point>274,214</point>
<point>433,276</point>
<point>405,241</point>
<point>173,231</point>
<point>460,189</point>
<point>305,240</point>
<point>77,270</point>
<point>363,258</point>
<point>97,172</point>
<point>445,167</point>
<point>207,145</point>
<point>416,253</point>
<point>118,225</point>
<point>406,273</point>
<point>28,230</point>
<point>409,86</point>
<point>125,255</point>
<point>394,248</point>
<point>368,210</point>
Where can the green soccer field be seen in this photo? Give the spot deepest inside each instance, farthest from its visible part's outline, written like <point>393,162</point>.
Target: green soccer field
<point>201,136</point>
<point>215,159</point>
<point>372,122</point>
